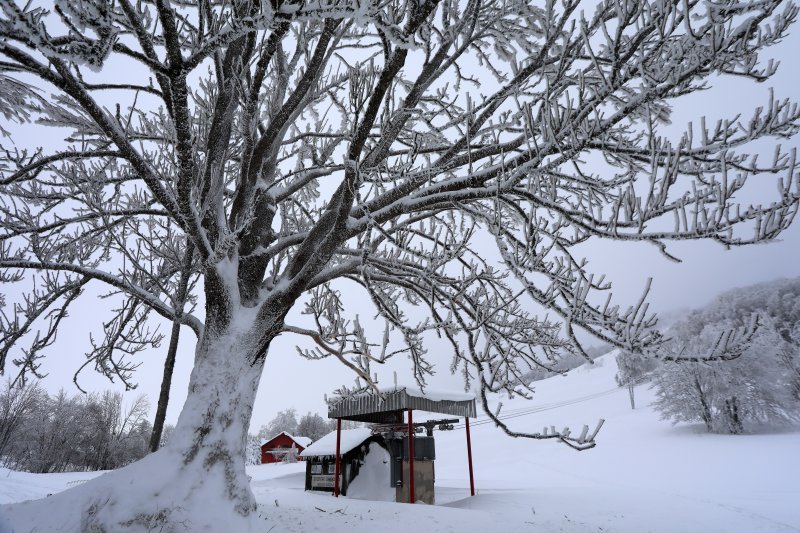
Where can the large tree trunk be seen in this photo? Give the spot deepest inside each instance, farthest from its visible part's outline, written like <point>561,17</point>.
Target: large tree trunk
<point>211,433</point>
<point>197,482</point>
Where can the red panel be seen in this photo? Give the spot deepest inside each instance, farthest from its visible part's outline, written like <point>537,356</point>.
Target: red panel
<point>338,457</point>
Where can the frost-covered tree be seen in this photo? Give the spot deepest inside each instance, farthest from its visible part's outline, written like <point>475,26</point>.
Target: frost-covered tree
<point>756,387</point>
<point>70,432</point>
<point>16,404</point>
<point>778,302</point>
<point>166,434</point>
<point>632,369</point>
<point>289,150</point>
<point>50,439</point>
<point>113,428</point>
<point>285,420</point>
<point>313,426</point>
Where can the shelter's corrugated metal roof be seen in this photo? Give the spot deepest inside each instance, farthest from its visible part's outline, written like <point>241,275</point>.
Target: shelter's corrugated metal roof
<point>402,398</point>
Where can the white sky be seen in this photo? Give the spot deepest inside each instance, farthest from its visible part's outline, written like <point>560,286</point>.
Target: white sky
<point>290,381</point>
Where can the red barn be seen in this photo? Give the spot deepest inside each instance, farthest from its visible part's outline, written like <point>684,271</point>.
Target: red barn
<point>282,447</point>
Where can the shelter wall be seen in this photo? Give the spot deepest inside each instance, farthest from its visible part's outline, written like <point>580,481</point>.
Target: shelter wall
<point>424,482</point>
<point>325,466</point>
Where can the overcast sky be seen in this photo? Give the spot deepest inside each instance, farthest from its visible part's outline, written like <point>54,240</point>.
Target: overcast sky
<point>707,269</point>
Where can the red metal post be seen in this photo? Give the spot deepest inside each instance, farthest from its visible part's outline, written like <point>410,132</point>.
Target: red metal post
<point>411,496</point>
<point>338,447</point>
<point>469,460</point>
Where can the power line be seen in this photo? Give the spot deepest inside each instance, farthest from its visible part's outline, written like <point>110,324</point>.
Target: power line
<point>516,413</point>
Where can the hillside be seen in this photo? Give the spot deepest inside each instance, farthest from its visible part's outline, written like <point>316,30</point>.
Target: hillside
<point>644,475</point>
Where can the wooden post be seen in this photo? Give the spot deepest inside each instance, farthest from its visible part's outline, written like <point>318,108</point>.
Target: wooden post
<point>469,460</point>
<point>411,495</point>
<point>338,459</point>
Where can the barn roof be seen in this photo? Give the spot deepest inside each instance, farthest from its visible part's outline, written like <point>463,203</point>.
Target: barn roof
<point>350,439</point>
<point>302,441</point>
<point>371,407</point>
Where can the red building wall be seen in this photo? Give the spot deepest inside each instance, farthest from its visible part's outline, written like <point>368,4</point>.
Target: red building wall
<point>281,441</point>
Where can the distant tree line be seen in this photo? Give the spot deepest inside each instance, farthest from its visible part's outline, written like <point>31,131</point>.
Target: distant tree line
<point>728,395</point>
<point>46,433</point>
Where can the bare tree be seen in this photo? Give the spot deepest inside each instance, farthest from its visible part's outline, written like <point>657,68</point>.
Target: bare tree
<point>111,424</point>
<point>285,420</point>
<point>305,147</point>
<point>42,433</point>
<point>52,438</point>
<point>15,404</point>
<point>312,426</point>
<point>633,368</point>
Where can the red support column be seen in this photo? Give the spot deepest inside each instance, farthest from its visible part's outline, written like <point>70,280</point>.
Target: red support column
<point>411,495</point>
<point>338,459</point>
<point>469,459</point>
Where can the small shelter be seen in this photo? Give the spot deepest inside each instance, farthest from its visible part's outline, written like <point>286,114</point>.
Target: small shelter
<point>385,410</point>
<point>282,447</point>
<point>321,456</point>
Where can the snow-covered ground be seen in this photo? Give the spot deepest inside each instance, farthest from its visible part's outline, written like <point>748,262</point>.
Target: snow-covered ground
<point>644,475</point>
<point>22,486</point>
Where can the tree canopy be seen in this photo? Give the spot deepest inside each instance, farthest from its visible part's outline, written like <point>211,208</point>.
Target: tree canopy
<point>260,154</point>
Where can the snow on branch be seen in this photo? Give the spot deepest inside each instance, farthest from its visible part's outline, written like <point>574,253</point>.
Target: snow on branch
<point>730,344</point>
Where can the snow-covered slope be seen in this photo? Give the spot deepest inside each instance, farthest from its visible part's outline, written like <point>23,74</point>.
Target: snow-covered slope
<point>644,475</point>
<point>22,486</point>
